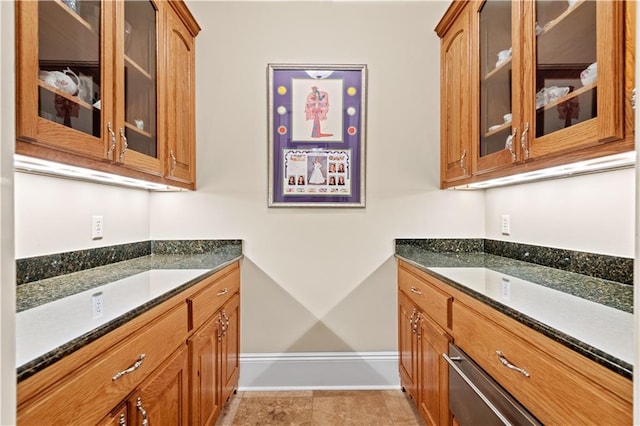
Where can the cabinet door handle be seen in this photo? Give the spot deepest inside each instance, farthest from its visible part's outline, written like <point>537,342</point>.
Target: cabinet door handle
<point>113,141</point>
<point>223,292</point>
<point>122,421</point>
<point>174,162</point>
<point>131,369</point>
<point>143,412</point>
<point>513,138</point>
<point>633,98</point>
<point>416,291</point>
<point>523,141</point>
<point>504,361</point>
<point>464,155</point>
<point>125,144</point>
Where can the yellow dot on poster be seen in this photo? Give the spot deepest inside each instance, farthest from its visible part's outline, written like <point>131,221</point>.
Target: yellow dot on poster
<point>282,90</point>
<point>351,91</point>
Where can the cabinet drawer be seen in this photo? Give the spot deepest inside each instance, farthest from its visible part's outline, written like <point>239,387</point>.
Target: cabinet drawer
<point>433,301</point>
<point>84,396</point>
<point>207,301</point>
<point>554,392</point>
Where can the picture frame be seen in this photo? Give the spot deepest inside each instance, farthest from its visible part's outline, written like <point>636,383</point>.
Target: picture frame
<point>317,135</point>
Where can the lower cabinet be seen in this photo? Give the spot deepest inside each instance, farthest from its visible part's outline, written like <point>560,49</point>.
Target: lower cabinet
<point>562,387</point>
<point>424,374</point>
<point>175,364</point>
<point>214,357</point>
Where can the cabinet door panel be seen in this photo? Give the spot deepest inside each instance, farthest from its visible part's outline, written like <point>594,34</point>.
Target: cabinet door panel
<point>230,350</point>
<point>407,345</point>
<point>434,373</point>
<point>63,73</point>
<point>455,116</point>
<point>205,375</point>
<point>138,62</point>
<point>579,75</point>
<point>497,90</point>
<point>163,397</point>
<point>180,129</point>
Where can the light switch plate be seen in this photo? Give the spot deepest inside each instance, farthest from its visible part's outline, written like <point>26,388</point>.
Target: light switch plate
<point>97,305</point>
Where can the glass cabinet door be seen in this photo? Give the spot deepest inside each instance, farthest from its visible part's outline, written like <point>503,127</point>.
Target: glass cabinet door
<point>496,73</point>
<point>140,85</point>
<point>70,76</point>
<point>566,64</point>
<point>578,75</point>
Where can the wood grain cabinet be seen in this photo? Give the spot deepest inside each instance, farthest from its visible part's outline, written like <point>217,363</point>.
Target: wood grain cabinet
<point>530,103</point>
<point>562,386</point>
<point>97,87</point>
<point>214,347</point>
<point>423,321</point>
<point>175,364</point>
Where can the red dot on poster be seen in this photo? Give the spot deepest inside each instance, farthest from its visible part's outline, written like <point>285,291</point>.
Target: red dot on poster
<point>282,130</point>
<point>351,130</point>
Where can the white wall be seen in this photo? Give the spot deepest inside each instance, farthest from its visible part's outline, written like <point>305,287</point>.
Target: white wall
<point>318,279</point>
<point>593,213</point>
<point>7,270</point>
<point>53,215</point>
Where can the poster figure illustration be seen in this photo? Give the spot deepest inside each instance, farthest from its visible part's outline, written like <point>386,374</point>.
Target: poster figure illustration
<point>316,109</point>
<point>317,178</point>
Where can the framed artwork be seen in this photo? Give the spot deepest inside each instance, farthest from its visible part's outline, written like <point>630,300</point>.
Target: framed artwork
<point>317,135</point>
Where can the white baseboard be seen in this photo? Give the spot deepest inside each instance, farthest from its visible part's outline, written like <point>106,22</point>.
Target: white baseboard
<point>319,370</point>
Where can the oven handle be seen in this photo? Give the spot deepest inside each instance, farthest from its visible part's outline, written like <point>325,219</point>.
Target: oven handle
<point>451,362</point>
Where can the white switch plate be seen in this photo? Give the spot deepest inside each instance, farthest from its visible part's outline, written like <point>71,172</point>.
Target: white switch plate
<point>506,224</point>
<point>97,305</point>
<point>97,227</point>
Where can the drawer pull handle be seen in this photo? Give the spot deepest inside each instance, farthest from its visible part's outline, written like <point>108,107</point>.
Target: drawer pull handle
<point>223,292</point>
<point>131,369</point>
<point>143,412</point>
<point>416,291</point>
<point>504,361</point>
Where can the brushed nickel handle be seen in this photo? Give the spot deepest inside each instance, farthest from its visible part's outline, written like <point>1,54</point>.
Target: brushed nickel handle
<point>223,292</point>
<point>226,322</point>
<point>464,155</point>
<point>416,325</point>
<point>633,98</point>
<point>174,162</point>
<point>504,361</point>
<point>416,291</point>
<point>513,152</point>
<point>523,141</point>
<point>122,421</point>
<point>125,144</point>
<point>113,141</point>
<point>143,413</point>
<point>131,369</point>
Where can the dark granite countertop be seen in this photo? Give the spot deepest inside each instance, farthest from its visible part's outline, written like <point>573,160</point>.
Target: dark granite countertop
<point>183,264</point>
<point>454,263</point>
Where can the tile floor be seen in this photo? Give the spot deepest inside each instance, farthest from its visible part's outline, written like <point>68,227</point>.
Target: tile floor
<point>320,408</point>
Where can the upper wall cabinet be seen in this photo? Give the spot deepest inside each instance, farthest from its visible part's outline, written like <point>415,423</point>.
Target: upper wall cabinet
<point>94,79</point>
<point>550,83</point>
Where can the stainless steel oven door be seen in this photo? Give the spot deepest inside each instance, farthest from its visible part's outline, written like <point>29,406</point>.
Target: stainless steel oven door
<point>476,399</point>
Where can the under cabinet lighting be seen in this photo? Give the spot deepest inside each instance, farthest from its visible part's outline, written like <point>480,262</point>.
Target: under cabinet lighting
<point>613,162</point>
<point>38,166</point>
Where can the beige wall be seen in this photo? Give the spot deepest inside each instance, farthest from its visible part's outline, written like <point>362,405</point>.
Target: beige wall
<point>318,279</point>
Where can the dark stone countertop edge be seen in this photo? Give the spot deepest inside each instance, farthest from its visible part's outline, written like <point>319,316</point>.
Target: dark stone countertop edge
<point>612,363</point>
<point>32,367</point>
